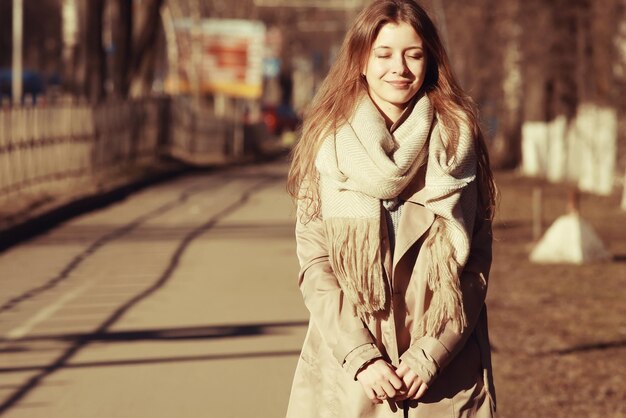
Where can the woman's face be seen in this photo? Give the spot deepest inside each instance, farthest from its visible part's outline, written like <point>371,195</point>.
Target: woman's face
<point>395,68</point>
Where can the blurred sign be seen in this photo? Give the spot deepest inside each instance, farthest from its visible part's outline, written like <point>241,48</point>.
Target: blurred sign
<point>218,56</point>
<point>324,4</point>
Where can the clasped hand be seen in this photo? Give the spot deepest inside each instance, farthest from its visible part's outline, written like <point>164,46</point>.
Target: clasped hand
<point>380,381</point>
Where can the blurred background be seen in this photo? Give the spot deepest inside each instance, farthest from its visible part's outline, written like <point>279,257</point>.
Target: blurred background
<point>142,161</point>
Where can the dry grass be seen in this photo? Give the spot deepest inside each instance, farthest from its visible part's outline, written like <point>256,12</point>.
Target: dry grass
<point>558,331</point>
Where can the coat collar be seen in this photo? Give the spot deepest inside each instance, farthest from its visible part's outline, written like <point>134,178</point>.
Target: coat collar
<point>415,219</point>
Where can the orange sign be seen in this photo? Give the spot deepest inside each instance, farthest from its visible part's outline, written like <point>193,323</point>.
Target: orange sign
<point>218,56</point>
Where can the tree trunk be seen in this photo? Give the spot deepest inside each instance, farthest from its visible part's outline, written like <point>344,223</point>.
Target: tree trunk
<point>144,53</point>
<point>95,59</point>
<point>537,85</point>
<point>507,150</point>
<point>123,40</point>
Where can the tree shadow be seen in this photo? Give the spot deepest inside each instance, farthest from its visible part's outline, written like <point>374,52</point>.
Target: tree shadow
<point>619,258</point>
<point>95,246</point>
<point>582,348</point>
<point>168,334</point>
<point>82,342</point>
<point>118,233</point>
<point>81,233</point>
<point>158,360</point>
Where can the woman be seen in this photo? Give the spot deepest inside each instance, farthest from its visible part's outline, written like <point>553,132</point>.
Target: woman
<point>395,199</point>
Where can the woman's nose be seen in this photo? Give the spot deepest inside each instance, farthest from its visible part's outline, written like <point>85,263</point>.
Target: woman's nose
<point>399,65</point>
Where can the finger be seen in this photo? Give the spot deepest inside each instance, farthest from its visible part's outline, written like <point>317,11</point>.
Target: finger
<point>402,370</point>
<point>371,394</point>
<point>395,381</point>
<point>409,378</point>
<point>388,389</point>
<point>379,395</point>
<point>413,390</point>
<point>420,391</point>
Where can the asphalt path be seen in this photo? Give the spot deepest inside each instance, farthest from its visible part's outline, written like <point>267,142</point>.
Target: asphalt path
<point>179,301</point>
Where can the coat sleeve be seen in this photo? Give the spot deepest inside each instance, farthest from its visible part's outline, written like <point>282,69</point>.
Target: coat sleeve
<point>345,333</point>
<point>427,356</point>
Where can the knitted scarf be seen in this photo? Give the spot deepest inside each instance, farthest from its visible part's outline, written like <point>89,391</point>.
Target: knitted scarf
<point>362,163</point>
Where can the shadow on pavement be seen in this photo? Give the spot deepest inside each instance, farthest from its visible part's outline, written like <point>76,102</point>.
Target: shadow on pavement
<point>158,360</point>
<point>173,334</point>
<point>79,344</point>
<point>619,258</point>
<point>587,347</point>
<point>81,233</point>
<point>100,242</point>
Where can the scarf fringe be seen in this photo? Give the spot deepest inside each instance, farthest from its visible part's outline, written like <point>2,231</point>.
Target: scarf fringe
<point>446,306</point>
<point>354,252</point>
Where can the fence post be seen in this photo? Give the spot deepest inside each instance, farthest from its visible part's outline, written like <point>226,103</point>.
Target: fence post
<point>5,153</point>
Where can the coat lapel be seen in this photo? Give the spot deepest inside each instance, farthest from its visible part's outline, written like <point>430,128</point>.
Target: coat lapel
<point>414,222</point>
<point>415,218</point>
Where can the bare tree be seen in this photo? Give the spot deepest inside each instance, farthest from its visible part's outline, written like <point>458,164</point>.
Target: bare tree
<point>123,40</point>
<point>149,27</point>
<point>5,33</point>
<point>93,52</point>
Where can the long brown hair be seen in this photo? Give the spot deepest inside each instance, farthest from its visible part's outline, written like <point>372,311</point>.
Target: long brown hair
<point>338,94</point>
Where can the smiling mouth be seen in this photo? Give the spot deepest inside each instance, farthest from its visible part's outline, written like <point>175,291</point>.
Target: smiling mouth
<point>400,84</point>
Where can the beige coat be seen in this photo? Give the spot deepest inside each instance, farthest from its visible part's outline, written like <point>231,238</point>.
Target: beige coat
<point>456,367</point>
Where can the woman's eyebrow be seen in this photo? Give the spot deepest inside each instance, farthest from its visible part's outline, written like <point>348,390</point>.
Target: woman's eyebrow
<point>406,49</point>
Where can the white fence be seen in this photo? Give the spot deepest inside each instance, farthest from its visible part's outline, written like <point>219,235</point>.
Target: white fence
<point>197,136</point>
<point>43,148</point>
<point>72,146</point>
